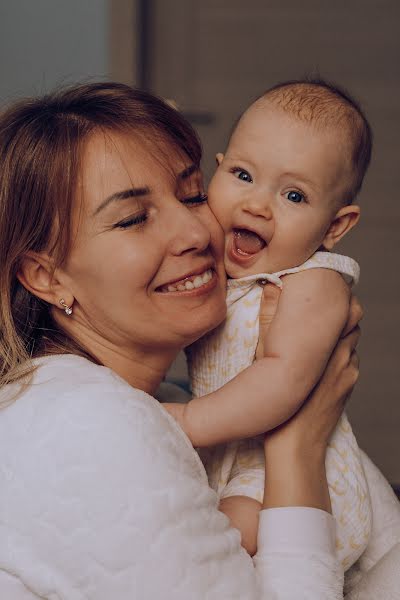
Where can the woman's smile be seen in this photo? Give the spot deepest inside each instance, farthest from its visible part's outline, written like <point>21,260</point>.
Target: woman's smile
<point>200,281</point>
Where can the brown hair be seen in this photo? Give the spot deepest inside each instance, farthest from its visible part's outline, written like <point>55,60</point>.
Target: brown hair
<point>327,104</point>
<point>41,141</point>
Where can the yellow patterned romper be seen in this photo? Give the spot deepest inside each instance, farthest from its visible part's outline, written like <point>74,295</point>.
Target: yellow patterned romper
<point>237,469</point>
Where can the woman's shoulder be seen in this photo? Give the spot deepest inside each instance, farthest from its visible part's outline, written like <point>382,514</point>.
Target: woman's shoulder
<point>101,463</point>
<point>71,396</point>
<point>57,378</point>
<point>87,429</point>
<point>67,373</point>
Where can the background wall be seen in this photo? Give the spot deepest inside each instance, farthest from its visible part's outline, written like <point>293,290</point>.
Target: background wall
<point>44,43</point>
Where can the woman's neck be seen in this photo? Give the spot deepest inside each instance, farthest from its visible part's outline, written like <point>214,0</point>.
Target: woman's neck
<point>142,368</point>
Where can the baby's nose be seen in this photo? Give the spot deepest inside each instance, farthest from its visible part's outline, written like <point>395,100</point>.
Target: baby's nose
<point>258,207</point>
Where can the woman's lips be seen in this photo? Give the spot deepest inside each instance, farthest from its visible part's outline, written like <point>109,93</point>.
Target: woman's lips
<point>200,282</point>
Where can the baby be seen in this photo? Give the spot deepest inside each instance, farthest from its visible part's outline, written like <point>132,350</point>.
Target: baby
<point>283,194</point>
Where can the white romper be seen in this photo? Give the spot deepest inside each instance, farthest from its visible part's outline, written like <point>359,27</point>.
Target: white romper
<point>237,469</point>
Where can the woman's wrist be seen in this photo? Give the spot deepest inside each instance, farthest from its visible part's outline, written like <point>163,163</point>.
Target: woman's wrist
<point>296,478</point>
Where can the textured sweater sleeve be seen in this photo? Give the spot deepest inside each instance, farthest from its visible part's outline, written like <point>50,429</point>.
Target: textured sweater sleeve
<point>103,497</point>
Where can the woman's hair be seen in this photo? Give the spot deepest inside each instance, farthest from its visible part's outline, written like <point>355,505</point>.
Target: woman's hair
<point>41,144</point>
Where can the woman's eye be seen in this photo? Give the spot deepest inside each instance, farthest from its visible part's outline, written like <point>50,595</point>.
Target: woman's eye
<point>195,200</point>
<point>131,221</point>
<point>242,174</point>
<point>294,196</point>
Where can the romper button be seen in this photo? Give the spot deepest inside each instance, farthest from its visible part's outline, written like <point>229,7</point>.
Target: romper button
<point>262,282</point>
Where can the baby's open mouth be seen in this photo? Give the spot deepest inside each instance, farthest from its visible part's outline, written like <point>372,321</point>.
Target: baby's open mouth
<point>247,242</point>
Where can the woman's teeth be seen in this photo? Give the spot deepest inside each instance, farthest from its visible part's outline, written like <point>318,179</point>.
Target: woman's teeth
<point>190,283</point>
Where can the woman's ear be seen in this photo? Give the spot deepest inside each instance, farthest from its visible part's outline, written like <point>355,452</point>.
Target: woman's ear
<point>219,157</point>
<point>345,219</point>
<point>37,276</point>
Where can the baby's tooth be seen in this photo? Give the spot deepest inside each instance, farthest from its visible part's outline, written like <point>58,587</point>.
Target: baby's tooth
<point>197,282</point>
<point>189,285</point>
<point>171,288</point>
<point>181,287</point>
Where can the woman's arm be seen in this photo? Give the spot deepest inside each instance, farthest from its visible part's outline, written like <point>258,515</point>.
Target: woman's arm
<point>295,464</point>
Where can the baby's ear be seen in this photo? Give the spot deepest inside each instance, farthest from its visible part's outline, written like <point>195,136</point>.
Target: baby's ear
<point>345,219</point>
<point>219,157</point>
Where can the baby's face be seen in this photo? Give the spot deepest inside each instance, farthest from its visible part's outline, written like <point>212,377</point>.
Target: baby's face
<point>277,190</point>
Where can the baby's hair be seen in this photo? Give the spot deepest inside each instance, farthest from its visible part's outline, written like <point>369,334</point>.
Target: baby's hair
<point>326,104</point>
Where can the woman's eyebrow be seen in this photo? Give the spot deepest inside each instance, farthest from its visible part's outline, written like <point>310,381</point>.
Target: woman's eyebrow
<point>123,195</point>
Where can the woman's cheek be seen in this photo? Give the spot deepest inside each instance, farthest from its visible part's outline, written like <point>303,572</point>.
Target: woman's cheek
<point>216,231</point>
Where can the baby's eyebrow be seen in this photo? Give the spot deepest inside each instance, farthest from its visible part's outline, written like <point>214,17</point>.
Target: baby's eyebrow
<point>301,178</point>
<point>238,158</point>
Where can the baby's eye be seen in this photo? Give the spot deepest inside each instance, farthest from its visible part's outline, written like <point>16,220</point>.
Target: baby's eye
<point>242,174</point>
<point>294,196</point>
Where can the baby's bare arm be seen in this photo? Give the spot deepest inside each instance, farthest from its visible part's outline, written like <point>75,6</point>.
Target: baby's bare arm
<point>311,314</point>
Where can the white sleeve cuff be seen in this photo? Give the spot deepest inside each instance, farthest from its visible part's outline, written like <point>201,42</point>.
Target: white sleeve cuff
<point>296,530</point>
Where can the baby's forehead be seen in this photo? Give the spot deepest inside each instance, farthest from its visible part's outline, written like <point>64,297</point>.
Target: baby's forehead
<point>265,123</point>
<point>323,121</point>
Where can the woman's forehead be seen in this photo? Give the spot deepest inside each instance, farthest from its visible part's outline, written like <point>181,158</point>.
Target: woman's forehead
<point>114,158</point>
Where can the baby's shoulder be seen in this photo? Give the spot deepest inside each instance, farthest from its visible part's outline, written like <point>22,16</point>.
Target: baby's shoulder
<point>345,266</point>
<point>315,293</point>
<point>316,279</point>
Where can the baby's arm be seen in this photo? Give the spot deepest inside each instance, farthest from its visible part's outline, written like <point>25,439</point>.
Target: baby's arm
<point>311,314</point>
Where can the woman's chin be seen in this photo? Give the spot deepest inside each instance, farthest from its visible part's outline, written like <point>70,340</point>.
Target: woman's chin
<point>203,324</point>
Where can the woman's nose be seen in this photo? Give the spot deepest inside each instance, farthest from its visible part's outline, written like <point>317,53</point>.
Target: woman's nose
<point>187,232</point>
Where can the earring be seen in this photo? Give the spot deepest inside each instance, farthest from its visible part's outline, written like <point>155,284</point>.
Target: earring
<point>67,309</point>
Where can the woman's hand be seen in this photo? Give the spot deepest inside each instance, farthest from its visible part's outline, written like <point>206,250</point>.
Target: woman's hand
<point>295,451</point>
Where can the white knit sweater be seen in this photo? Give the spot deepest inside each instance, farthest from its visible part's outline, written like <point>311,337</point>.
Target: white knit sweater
<point>103,498</point>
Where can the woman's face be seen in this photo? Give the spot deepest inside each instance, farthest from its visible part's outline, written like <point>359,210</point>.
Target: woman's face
<point>145,267</point>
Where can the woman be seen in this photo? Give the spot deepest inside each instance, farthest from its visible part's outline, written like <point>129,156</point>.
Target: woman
<point>102,495</point>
